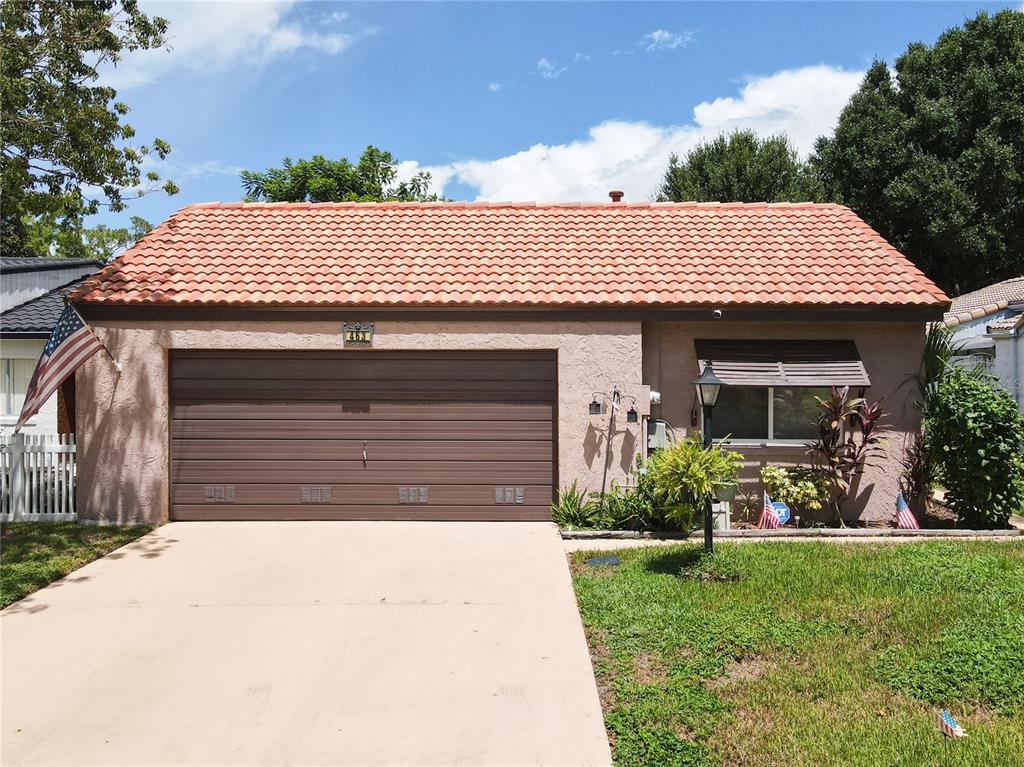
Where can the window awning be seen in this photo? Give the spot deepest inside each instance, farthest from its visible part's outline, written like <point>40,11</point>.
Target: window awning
<point>784,363</point>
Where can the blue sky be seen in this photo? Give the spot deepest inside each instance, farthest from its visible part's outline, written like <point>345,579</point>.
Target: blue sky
<point>537,101</point>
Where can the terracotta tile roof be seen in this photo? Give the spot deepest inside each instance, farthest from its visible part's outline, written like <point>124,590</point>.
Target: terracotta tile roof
<point>512,254</point>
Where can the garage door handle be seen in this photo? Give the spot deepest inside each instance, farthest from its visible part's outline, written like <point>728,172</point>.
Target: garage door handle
<point>364,454</point>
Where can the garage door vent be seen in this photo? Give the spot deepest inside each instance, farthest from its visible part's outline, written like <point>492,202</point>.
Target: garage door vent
<point>315,495</point>
<point>412,495</point>
<point>219,493</point>
<point>505,495</point>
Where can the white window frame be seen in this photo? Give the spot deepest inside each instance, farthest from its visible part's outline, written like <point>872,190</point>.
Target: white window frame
<point>7,392</point>
<point>771,441</point>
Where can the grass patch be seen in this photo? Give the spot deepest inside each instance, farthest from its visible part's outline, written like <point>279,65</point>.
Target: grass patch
<point>33,554</point>
<point>809,653</point>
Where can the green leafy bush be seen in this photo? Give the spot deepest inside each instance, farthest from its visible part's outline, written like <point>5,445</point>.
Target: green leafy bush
<point>974,435</point>
<point>798,487</point>
<point>685,474</point>
<point>573,509</point>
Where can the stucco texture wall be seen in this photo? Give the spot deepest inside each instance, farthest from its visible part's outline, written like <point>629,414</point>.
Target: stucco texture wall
<point>123,419</point>
<point>891,352</point>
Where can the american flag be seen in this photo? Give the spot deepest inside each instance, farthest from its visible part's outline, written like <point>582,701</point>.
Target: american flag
<point>905,519</point>
<point>948,725</point>
<point>71,343</point>
<point>769,519</point>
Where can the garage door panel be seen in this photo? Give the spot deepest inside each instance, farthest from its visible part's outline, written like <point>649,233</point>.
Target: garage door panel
<point>352,450</point>
<point>304,512</point>
<point>234,389</point>
<point>344,472</point>
<point>262,435</point>
<point>362,411</point>
<point>365,368</point>
<point>369,494</point>
<point>360,429</point>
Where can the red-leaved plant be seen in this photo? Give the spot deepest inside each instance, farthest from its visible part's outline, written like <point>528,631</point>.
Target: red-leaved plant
<point>849,435</point>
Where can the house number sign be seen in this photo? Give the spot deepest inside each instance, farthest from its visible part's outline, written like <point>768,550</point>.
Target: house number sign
<point>358,334</point>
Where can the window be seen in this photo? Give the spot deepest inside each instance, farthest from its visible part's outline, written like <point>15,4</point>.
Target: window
<point>15,376</point>
<point>767,413</point>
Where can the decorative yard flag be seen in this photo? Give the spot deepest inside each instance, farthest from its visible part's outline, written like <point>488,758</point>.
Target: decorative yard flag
<point>905,519</point>
<point>769,517</point>
<point>71,343</point>
<point>948,725</point>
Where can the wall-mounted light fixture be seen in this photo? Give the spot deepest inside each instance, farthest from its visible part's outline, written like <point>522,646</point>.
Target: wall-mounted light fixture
<point>596,408</point>
<point>632,416</point>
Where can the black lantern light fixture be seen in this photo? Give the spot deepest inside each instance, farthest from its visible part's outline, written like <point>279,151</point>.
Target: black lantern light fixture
<point>595,407</point>
<point>632,416</point>
<point>708,387</point>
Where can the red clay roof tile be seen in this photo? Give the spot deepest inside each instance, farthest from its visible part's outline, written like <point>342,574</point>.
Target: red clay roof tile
<point>512,254</point>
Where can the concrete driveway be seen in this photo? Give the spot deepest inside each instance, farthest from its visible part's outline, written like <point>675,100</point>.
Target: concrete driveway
<point>356,643</point>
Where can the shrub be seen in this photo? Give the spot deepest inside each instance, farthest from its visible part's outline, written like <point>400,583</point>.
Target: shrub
<point>685,475</point>
<point>572,508</point>
<point>637,506</point>
<point>798,487</point>
<point>849,435</point>
<point>974,435</point>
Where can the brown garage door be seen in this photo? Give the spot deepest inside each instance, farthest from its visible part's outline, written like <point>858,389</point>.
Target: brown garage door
<point>362,435</point>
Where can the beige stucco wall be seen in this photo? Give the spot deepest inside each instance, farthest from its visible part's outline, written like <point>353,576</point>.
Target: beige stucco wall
<point>891,352</point>
<point>123,420</point>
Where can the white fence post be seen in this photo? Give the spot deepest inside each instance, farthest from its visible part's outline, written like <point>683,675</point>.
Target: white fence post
<point>37,477</point>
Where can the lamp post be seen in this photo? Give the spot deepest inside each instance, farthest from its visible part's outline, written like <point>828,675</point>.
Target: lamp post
<point>708,386</point>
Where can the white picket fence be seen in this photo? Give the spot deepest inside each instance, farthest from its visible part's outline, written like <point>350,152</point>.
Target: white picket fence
<point>37,477</point>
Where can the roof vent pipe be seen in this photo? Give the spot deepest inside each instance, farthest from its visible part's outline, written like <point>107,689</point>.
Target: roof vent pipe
<point>616,196</point>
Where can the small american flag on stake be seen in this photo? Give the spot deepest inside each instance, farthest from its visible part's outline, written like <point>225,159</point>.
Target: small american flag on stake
<point>905,519</point>
<point>71,344</point>
<point>769,519</point>
<point>948,725</point>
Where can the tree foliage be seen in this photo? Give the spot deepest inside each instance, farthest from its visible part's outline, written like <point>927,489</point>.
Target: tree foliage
<point>48,237</point>
<point>374,177</point>
<point>974,435</point>
<point>66,147</point>
<point>933,158</point>
<point>739,168</point>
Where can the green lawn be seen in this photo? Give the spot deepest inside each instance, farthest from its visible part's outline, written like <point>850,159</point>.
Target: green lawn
<point>820,654</point>
<point>33,554</point>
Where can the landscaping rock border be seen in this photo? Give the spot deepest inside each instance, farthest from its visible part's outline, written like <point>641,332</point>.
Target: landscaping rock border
<point>782,532</point>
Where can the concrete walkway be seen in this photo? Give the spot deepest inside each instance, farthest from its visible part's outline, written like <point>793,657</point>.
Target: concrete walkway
<point>306,643</point>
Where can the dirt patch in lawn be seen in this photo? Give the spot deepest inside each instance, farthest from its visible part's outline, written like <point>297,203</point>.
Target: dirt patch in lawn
<point>740,671</point>
<point>649,668</point>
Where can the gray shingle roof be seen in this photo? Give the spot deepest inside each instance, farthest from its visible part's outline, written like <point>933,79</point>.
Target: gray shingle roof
<point>36,318</point>
<point>10,265</point>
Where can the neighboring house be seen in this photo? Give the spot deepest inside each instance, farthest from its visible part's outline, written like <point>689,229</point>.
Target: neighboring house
<point>254,386</point>
<point>32,297</point>
<point>22,279</point>
<point>988,325</point>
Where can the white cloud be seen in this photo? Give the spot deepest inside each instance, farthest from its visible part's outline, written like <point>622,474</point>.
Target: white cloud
<point>548,69</point>
<point>663,40</point>
<point>802,103</point>
<point>494,87</point>
<point>210,36</point>
<point>580,58</point>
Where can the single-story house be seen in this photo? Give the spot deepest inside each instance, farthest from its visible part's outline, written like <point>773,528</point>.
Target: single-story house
<point>32,297</point>
<point>988,326</point>
<point>454,360</point>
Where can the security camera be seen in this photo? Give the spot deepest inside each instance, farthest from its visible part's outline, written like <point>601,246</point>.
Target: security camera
<point>717,314</point>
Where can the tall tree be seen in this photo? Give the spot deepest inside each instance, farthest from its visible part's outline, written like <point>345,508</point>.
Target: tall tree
<point>933,158</point>
<point>66,147</point>
<point>48,237</point>
<point>739,167</point>
<point>372,178</point>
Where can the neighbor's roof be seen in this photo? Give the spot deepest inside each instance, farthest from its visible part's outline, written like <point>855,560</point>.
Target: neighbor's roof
<point>36,317</point>
<point>512,254</point>
<point>988,300</point>
<point>11,265</point>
